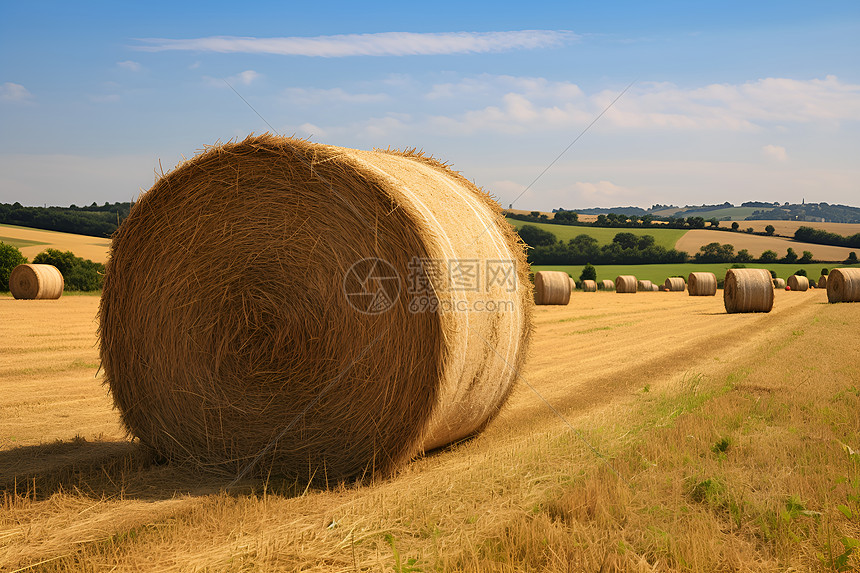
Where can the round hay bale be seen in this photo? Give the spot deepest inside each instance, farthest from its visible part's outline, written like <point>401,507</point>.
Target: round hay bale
<point>644,285</point>
<point>675,284</point>
<point>748,290</point>
<point>32,282</point>
<point>572,283</point>
<point>552,287</point>
<point>778,283</point>
<point>279,306</point>
<point>822,281</point>
<point>798,283</point>
<point>625,284</point>
<point>606,284</point>
<point>654,288</point>
<point>702,284</point>
<point>589,285</point>
<point>843,285</point>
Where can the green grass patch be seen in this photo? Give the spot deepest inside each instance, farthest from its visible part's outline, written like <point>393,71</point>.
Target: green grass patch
<point>659,273</point>
<point>20,242</point>
<point>736,213</point>
<point>604,235</point>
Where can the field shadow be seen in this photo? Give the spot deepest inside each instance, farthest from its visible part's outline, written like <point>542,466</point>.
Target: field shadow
<point>125,469</point>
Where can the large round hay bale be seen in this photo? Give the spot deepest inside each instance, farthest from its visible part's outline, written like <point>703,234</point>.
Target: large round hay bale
<point>798,283</point>
<point>589,285</point>
<point>675,284</point>
<point>572,283</point>
<point>644,285</point>
<point>552,287</point>
<point>779,283</point>
<point>822,281</point>
<point>748,290</point>
<point>606,284</point>
<point>279,306</point>
<point>626,284</point>
<point>843,285</point>
<point>702,284</point>
<point>33,282</point>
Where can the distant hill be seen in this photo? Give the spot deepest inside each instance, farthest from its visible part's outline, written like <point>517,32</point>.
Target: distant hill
<point>95,220</point>
<point>747,211</point>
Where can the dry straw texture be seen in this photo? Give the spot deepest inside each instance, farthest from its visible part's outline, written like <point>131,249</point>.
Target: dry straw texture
<point>589,286</point>
<point>675,284</point>
<point>748,290</point>
<point>552,287</point>
<point>230,335</point>
<point>822,281</point>
<point>606,284</point>
<point>644,285</point>
<point>572,283</point>
<point>625,283</point>
<point>779,283</point>
<point>36,282</point>
<point>843,285</point>
<point>798,283</point>
<point>702,284</point>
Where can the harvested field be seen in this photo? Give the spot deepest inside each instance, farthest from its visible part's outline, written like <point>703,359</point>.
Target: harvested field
<point>31,242</point>
<point>756,244</point>
<point>787,228</point>
<point>720,447</point>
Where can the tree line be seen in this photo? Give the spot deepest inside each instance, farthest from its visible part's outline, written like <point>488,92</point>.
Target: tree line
<point>628,248</point>
<point>94,221</point>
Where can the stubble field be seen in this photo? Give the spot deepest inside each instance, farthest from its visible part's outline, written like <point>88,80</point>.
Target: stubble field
<point>648,432</point>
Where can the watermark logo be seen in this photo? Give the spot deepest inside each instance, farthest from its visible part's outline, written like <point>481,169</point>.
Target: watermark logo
<point>371,285</point>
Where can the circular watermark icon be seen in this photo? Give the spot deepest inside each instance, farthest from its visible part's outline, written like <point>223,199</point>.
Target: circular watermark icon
<point>371,286</point>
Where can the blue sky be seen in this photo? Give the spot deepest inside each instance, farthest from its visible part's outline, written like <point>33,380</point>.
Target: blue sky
<point>729,101</point>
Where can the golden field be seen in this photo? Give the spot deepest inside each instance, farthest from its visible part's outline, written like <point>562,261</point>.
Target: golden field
<point>691,440</point>
<point>31,242</point>
<point>757,244</point>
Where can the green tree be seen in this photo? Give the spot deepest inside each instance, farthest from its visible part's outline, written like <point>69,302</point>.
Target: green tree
<point>78,274</point>
<point>768,256</point>
<point>10,257</point>
<point>715,253</point>
<point>714,222</point>
<point>800,272</point>
<point>825,271</point>
<point>769,230</point>
<point>536,237</point>
<point>735,226</point>
<point>852,258</point>
<point>696,222</point>
<point>790,256</point>
<point>806,258</point>
<point>626,240</point>
<point>589,273</point>
<point>744,256</point>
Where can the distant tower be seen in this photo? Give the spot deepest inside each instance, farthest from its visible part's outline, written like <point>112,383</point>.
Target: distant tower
<point>803,201</point>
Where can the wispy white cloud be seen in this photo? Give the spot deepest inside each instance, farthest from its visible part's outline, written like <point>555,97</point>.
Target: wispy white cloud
<point>245,78</point>
<point>518,105</point>
<point>129,65</point>
<point>13,92</point>
<point>381,44</point>
<point>775,152</point>
<point>309,96</point>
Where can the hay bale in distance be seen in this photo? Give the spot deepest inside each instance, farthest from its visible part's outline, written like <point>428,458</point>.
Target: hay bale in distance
<point>589,285</point>
<point>606,284</point>
<point>626,284</point>
<point>779,283</point>
<point>822,281</point>
<point>843,285</point>
<point>644,285</point>
<point>36,282</point>
<point>256,314</point>
<point>748,290</point>
<point>572,284</point>
<point>702,284</point>
<point>798,283</point>
<point>655,288</point>
<point>675,284</point>
<point>552,287</point>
